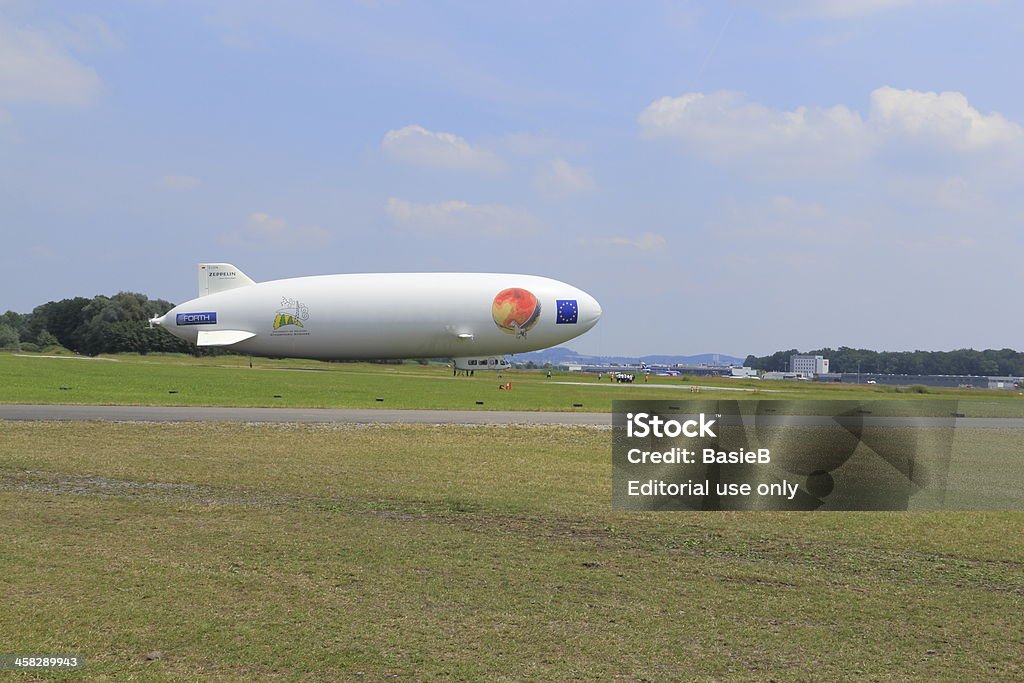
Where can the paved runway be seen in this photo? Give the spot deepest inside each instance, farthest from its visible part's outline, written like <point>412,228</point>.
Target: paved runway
<point>372,416</point>
<point>350,415</point>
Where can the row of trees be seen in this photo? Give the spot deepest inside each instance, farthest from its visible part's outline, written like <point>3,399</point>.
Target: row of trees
<point>991,362</point>
<point>91,326</point>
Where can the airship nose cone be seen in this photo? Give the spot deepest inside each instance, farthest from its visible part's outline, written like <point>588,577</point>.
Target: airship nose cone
<point>169,321</point>
<point>590,310</point>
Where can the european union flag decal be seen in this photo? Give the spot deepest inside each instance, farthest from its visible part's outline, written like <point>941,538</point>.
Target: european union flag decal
<point>568,312</point>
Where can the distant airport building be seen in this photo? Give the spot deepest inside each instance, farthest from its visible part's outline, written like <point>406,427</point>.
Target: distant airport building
<point>951,381</point>
<point>808,366</point>
<point>743,373</point>
<point>703,369</point>
<point>780,375</point>
<point>828,377</point>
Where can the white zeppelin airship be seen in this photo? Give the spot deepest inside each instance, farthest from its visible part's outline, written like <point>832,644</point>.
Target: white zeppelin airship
<point>473,318</point>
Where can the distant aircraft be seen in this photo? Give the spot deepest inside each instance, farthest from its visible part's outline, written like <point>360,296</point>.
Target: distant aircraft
<point>473,318</point>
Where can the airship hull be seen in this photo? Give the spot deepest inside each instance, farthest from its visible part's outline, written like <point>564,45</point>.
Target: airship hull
<point>387,315</point>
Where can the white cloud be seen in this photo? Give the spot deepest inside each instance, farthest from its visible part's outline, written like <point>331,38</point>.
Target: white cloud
<point>35,67</point>
<point>266,231</point>
<point>560,178</point>
<point>419,146</point>
<point>458,218</point>
<point>725,128</point>
<point>180,182</point>
<point>647,241</point>
<point>944,119</point>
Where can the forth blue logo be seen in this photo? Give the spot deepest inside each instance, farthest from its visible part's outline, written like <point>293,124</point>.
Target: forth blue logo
<point>208,318</point>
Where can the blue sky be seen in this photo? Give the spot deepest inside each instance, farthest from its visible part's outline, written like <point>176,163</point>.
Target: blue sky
<point>736,177</point>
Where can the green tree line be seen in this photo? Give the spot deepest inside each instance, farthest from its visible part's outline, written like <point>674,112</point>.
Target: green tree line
<point>120,323</point>
<point>990,362</point>
<point>102,324</point>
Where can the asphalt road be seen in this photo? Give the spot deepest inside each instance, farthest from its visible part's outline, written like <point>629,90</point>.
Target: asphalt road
<point>454,417</point>
<point>350,415</point>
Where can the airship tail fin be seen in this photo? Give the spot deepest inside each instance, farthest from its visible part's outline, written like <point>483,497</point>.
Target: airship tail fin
<point>218,277</point>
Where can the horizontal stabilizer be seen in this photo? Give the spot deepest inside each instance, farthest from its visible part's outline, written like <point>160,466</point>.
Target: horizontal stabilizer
<point>222,337</point>
<point>220,277</point>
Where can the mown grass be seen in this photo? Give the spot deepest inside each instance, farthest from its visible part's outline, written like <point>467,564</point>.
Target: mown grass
<point>476,553</point>
<point>229,381</point>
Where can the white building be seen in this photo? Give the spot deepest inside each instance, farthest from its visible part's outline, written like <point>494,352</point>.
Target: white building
<point>779,375</point>
<point>808,366</point>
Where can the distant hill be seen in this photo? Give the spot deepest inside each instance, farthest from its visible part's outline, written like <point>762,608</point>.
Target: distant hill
<point>562,355</point>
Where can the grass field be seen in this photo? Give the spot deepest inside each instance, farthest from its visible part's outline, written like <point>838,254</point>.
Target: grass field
<point>476,553</point>
<point>229,381</point>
